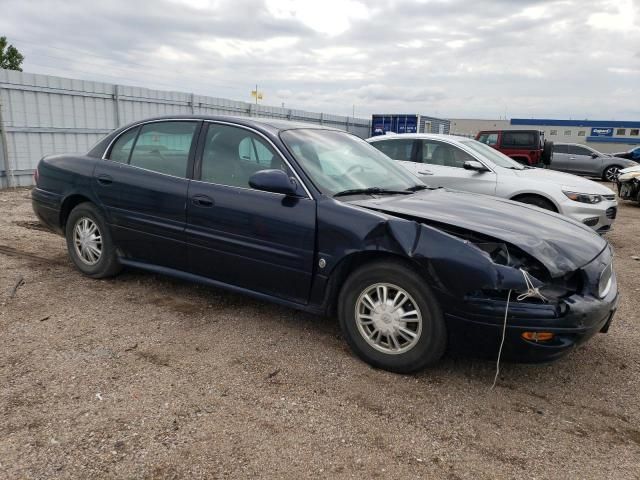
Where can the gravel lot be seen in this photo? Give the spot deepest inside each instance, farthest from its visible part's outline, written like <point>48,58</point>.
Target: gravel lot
<point>142,376</point>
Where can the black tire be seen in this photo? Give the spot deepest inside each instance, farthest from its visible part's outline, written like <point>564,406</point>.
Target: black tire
<point>107,263</point>
<point>610,174</point>
<point>547,153</point>
<point>538,201</point>
<point>430,344</point>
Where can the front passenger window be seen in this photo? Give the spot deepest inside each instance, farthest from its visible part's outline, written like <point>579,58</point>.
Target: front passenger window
<point>438,153</point>
<point>232,155</point>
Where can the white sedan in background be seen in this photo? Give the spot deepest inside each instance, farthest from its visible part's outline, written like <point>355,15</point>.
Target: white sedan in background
<point>459,163</point>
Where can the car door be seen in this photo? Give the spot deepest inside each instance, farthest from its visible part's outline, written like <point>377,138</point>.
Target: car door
<point>583,162</point>
<point>445,162</point>
<point>142,185</point>
<point>560,159</point>
<point>252,239</point>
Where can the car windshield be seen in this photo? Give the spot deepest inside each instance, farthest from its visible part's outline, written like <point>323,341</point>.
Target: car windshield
<point>338,162</point>
<point>491,154</point>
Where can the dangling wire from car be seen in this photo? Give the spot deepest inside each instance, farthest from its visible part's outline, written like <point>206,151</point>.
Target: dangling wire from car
<point>532,291</point>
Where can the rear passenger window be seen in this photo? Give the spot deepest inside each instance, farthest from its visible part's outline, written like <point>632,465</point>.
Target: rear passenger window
<point>560,148</point>
<point>396,149</point>
<point>164,147</point>
<point>518,139</point>
<point>122,148</point>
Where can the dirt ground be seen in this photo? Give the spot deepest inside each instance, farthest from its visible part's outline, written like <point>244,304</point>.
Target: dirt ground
<point>142,376</point>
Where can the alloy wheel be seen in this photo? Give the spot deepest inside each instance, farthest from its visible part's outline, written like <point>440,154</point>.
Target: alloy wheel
<point>87,241</point>
<point>388,318</point>
<point>611,173</point>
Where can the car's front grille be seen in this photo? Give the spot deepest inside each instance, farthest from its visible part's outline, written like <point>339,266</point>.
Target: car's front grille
<point>612,212</point>
<point>609,197</point>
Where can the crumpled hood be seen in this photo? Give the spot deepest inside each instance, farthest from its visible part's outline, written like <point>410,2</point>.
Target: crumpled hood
<point>630,169</point>
<point>579,184</point>
<point>562,245</point>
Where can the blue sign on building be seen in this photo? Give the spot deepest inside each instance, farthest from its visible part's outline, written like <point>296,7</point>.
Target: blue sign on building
<point>601,132</point>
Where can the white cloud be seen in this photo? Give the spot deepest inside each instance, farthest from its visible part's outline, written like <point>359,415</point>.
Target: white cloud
<point>330,17</point>
<point>552,58</point>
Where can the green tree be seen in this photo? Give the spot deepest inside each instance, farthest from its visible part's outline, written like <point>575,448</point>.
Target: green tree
<point>10,57</point>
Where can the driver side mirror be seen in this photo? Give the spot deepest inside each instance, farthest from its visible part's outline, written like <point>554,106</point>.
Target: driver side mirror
<point>475,165</point>
<point>275,181</point>
<point>594,155</point>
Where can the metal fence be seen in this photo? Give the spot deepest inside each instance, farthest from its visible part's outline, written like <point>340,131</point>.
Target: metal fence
<point>42,114</point>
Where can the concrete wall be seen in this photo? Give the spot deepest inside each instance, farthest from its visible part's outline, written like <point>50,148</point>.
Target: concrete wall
<point>42,114</point>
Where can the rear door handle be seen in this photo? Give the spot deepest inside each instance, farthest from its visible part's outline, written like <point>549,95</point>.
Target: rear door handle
<point>425,172</point>
<point>104,179</point>
<point>202,201</point>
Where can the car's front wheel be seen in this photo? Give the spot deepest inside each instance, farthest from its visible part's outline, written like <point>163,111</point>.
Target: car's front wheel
<point>611,173</point>
<point>391,319</point>
<point>89,242</point>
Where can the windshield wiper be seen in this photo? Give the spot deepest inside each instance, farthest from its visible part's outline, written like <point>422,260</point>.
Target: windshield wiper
<point>415,188</point>
<point>370,191</point>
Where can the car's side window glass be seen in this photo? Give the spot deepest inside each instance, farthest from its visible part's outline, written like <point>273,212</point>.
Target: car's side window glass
<point>557,148</point>
<point>122,148</point>
<point>438,153</point>
<point>231,155</point>
<point>489,138</point>
<point>396,149</point>
<point>576,150</point>
<point>518,139</point>
<point>164,147</point>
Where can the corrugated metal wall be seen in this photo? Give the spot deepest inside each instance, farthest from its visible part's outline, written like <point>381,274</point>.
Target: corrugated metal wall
<point>42,114</point>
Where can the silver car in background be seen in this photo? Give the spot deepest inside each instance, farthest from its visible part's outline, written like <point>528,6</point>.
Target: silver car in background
<point>459,163</point>
<point>583,160</point>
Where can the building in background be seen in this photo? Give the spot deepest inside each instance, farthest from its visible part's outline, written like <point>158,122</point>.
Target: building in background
<point>382,124</point>
<point>603,135</point>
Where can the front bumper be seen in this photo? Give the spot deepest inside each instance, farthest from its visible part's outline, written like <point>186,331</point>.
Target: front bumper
<point>476,324</point>
<point>598,216</point>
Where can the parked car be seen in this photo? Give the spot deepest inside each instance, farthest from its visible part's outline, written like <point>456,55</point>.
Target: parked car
<point>633,154</point>
<point>527,147</point>
<point>319,220</point>
<point>584,160</point>
<point>464,164</point>
<point>629,183</point>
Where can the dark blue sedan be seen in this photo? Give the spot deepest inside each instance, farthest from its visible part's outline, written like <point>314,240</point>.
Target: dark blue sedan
<point>317,219</point>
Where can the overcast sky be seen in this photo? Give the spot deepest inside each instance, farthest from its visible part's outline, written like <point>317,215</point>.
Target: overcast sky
<point>473,58</point>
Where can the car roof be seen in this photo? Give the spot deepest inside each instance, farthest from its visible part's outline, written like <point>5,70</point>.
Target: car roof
<point>273,124</point>
<point>426,136</point>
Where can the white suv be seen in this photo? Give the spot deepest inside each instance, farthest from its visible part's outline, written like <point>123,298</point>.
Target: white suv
<point>459,163</point>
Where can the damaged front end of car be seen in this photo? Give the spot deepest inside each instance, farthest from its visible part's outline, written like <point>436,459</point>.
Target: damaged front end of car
<point>548,311</point>
<point>629,184</point>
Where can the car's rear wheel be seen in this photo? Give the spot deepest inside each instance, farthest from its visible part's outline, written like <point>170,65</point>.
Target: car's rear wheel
<point>390,317</point>
<point>611,173</point>
<point>537,201</point>
<point>89,242</point>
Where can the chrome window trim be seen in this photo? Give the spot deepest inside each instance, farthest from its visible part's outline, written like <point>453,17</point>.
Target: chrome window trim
<point>275,148</point>
<point>145,122</point>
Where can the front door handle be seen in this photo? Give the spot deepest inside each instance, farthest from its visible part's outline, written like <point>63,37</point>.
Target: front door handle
<point>202,201</point>
<point>424,172</point>
<point>105,179</point>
